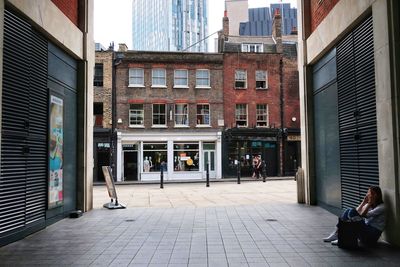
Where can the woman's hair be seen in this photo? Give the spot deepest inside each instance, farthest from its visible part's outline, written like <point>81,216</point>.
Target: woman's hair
<point>377,190</point>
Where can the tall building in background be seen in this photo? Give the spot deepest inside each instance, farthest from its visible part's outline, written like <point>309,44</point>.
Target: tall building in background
<point>260,20</point>
<point>169,25</point>
<point>238,12</point>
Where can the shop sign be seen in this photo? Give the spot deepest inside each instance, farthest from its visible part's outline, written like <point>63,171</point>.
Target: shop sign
<point>294,138</point>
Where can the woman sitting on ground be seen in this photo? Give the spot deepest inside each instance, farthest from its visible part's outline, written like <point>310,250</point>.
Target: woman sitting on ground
<point>371,213</point>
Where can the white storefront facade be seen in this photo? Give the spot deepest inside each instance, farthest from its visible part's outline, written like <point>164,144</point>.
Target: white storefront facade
<point>140,157</point>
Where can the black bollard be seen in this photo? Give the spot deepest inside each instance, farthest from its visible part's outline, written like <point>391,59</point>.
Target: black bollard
<point>162,176</point>
<point>207,176</point>
<point>264,171</point>
<point>238,172</point>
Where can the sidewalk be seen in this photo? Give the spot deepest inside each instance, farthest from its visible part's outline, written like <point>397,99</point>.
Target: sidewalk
<point>251,224</point>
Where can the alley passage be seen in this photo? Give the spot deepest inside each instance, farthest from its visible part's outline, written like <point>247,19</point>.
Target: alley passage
<point>252,224</point>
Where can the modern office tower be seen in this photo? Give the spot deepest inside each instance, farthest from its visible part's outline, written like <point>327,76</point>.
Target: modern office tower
<point>237,12</point>
<point>260,20</point>
<point>169,25</point>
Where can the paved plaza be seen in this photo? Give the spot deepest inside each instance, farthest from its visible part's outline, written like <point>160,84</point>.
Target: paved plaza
<point>251,224</point>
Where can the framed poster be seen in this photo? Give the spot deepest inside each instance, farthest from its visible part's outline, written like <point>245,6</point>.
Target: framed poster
<point>56,140</point>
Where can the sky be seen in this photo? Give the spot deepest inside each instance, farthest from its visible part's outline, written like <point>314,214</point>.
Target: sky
<point>113,23</point>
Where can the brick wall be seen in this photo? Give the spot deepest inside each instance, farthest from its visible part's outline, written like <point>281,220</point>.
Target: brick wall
<point>271,96</point>
<point>251,96</point>
<point>169,95</point>
<point>103,93</point>
<point>69,8</point>
<point>319,9</point>
<point>290,81</point>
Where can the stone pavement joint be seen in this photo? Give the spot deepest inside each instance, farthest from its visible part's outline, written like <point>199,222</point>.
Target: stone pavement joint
<point>251,224</point>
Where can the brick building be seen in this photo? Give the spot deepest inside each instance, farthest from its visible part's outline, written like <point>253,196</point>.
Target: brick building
<point>349,72</point>
<point>102,110</point>
<point>169,108</point>
<point>261,101</point>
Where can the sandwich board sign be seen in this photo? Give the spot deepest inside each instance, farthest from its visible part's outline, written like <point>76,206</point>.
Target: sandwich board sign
<point>112,193</point>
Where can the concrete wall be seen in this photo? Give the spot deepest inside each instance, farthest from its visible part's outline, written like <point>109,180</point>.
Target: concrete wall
<point>237,12</point>
<point>319,10</point>
<point>340,20</point>
<point>55,25</point>
<point>69,8</point>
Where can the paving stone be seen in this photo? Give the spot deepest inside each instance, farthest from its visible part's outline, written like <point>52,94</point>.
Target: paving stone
<point>231,231</point>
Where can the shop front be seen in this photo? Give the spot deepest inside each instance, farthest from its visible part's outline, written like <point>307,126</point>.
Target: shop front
<point>180,157</point>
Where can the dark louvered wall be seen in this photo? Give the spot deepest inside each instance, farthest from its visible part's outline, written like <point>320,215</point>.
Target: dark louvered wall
<point>357,114</point>
<point>23,180</point>
<point>36,190</point>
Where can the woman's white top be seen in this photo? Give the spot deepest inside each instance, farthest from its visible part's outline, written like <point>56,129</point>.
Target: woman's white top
<point>375,217</point>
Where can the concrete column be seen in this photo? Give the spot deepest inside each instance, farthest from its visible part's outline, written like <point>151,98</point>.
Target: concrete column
<point>386,111</point>
<point>305,114</point>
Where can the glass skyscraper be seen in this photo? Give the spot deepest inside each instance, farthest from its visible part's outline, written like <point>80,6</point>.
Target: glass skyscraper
<point>260,20</point>
<point>170,25</point>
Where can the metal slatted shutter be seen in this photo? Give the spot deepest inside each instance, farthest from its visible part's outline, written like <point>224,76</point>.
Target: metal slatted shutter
<point>357,114</point>
<point>366,106</point>
<point>23,168</point>
<point>36,182</point>
<point>347,121</point>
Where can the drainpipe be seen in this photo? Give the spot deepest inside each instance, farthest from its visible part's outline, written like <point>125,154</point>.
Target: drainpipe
<point>282,130</point>
<point>113,157</point>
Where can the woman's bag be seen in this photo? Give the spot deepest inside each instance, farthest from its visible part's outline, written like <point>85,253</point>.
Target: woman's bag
<point>348,233</point>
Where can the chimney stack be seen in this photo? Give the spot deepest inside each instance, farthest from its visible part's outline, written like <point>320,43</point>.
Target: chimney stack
<point>224,34</point>
<point>225,24</point>
<point>277,30</point>
<point>122,47</point>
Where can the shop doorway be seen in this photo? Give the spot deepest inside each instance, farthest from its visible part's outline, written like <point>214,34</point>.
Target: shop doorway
<point>209,157</point>
<point>103,159</point>
<point>292,157</point>
<point>130,166</point>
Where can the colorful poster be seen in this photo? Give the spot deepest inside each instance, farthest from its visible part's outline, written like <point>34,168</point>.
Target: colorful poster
<point>56,153</point>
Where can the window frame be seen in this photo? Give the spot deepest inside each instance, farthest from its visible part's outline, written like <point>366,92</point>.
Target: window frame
<point>265,80</point>
<point>181,114</point>
<point>258,47</point>
<point>180,148</point>
<point>203,115</point>
<point>246,114</point>
<point>159,114</point>
<point>187,79</point>
<point>130,116</point>
<point>266,121</point>
<point>154,85</point>
<point>96,78</point>
<point>245,80</point>
<point>162,151</point>
<point>138,77</point>
<point>208,85</point>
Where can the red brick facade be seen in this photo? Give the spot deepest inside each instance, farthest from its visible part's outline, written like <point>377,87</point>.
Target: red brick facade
<point>70,8</point>
<point>251,96</point>
<point>290,79</point>
<point>319,9</point>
